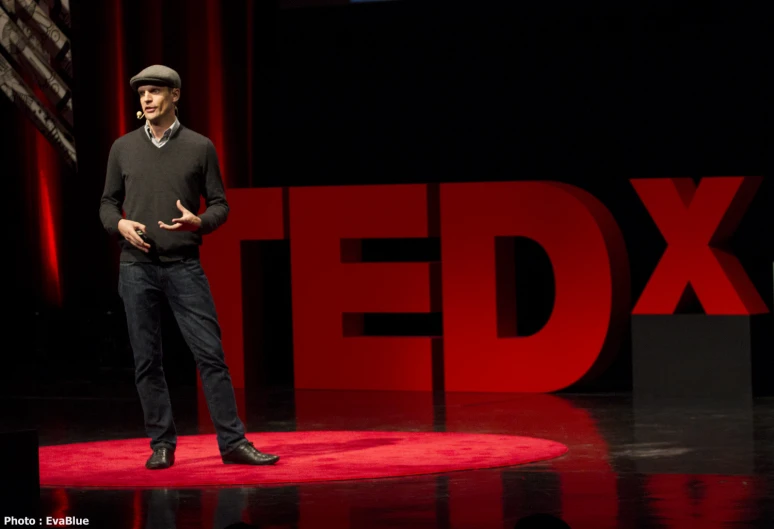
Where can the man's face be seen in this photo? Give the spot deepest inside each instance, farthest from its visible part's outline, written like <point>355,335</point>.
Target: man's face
<point>158,102</point>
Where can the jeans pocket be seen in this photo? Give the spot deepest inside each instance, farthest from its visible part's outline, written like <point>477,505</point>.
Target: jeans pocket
<point>192,264</point>
<point>127,274</point>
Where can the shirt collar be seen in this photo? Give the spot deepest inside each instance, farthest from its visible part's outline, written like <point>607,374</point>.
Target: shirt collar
<point>167,133</point>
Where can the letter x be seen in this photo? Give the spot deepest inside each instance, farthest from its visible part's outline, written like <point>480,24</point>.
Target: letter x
<point>695,221</point>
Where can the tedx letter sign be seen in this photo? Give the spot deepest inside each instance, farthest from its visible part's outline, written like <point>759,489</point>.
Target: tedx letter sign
<point>332,287</point>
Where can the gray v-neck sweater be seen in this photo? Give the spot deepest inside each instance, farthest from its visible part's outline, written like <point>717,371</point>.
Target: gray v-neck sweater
<point>146,181</point>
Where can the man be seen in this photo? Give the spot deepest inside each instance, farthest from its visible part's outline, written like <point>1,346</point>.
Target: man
<point>157,174</point>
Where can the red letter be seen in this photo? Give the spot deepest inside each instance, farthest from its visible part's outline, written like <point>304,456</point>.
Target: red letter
<point>255,214</point>
<point>331,289</point>
<point>694,221</point>
<point>591,275</point>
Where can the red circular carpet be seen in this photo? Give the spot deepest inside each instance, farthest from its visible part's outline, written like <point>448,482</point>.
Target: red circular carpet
<point>305,457</point>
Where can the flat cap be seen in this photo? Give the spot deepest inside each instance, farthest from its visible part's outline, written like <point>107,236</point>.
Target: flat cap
<point>157,74</point>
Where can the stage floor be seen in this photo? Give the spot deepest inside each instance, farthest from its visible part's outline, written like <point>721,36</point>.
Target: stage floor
<point>674,465</point>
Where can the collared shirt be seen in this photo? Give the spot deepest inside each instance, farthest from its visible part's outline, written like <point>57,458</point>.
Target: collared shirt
<point>164,137</point>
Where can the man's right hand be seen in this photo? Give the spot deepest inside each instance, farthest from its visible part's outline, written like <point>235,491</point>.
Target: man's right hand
<point>128,229</point>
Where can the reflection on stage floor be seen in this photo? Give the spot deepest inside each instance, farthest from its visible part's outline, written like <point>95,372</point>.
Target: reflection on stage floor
<point>671,465</point>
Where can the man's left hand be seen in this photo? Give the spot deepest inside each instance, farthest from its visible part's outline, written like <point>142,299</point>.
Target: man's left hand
<point>186,222</point>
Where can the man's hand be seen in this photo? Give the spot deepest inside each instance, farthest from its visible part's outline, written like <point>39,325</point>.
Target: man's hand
<point>186,222</point>
<point>128,229</point>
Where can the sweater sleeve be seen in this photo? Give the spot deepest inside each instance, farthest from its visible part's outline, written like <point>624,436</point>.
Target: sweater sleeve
<point>110,212</point>
<point>214,193</point>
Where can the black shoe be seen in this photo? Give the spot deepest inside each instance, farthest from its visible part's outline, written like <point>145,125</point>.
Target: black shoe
<point>162,457</point>
<point>247,454</point>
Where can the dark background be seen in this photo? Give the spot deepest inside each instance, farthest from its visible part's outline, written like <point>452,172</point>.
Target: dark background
<point>392,92</point>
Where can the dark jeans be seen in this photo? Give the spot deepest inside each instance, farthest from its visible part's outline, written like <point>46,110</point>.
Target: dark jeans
<point>142,287</point>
